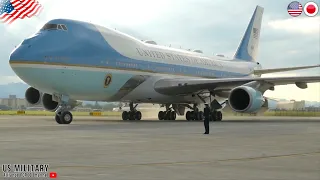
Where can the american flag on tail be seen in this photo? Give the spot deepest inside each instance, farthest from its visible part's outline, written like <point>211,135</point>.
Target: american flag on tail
<point>11,10</point>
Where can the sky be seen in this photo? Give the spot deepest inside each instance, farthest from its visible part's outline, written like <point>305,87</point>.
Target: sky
<point>212,26</point>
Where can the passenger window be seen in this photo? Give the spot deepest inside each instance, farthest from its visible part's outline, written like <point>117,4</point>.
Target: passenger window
<point>59,27</point>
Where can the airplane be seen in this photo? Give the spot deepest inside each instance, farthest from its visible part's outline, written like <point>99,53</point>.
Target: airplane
<point>69,60</point>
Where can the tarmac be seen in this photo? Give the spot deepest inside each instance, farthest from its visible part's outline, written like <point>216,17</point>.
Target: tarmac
<point>248,148</point>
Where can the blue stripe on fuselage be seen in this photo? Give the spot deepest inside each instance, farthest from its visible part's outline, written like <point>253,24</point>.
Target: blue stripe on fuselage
<point>83,45</point>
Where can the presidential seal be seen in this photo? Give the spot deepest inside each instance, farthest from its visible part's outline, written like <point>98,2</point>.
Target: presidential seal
<point>107,80</point>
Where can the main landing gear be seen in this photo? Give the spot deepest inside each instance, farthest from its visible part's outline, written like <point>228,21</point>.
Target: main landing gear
<point>216,116</point>
<point>63,116</point>
<point>169,114</point>
<point>194,115</point>
<point>133,114</point>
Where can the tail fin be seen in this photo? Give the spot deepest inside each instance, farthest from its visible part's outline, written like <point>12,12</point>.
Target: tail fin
<point>248,48</point>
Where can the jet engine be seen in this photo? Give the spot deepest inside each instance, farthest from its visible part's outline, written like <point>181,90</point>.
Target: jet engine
<point>48,103</point>
<point>33,96</point>
<point>246,99</point>
<point>51,105</point>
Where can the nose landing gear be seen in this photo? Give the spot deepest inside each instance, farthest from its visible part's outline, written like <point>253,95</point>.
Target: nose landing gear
<point>64,117</point>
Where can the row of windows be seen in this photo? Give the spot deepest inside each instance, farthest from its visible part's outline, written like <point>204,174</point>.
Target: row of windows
<point>54,27</point>
<point>206,73</point>
<point>130,65</point>
<point>168,69</point>
<point>50,58</point>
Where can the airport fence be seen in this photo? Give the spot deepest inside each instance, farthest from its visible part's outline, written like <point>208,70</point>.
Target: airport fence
<point>301,113</point>
<point>296,113</point>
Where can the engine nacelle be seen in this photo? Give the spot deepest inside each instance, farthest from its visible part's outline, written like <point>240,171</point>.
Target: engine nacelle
<point>246,99</point>
<point>48,103</point>
<point>33,96</point>
<point>51,105</point>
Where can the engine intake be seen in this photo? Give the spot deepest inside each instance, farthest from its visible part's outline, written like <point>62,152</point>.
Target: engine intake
<point>246,99</point>
<point>33,96</point>
<point>48,103</point>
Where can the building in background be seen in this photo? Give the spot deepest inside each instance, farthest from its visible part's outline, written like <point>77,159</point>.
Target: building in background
<point>291,105</point>
<point>14,102</point>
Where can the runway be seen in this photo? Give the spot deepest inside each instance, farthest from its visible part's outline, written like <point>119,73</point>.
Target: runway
<point>107,148</point>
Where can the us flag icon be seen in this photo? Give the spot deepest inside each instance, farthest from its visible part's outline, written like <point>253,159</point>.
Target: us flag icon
<point>53,175</point>
<point>294,8</point>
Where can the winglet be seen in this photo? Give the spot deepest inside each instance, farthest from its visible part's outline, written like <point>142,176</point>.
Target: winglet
<point>248,47</point>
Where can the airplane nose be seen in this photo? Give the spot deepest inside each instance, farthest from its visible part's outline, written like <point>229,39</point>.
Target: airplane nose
<point>19,53</point>
<point>24,51</point>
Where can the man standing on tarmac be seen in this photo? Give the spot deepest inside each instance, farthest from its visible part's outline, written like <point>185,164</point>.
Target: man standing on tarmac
<point>206,118</point>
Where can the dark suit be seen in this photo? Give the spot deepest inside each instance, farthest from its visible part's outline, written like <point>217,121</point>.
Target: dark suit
<point>206,119</point>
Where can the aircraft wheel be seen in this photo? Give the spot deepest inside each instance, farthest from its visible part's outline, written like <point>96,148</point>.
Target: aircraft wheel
<point>66,117</point>
<point>197,116</point>
<point>168,115</point>
<point>219,116</point>
<point>138,115</point>
<point>173,115</point>
<point>161,115</point>
<point>193,116</point>
<point>213,116</point>
<point>201,116</point>
<point>131,115</point>
<point>188,116</point>
<point>125,115</point>
<point>57,118</point>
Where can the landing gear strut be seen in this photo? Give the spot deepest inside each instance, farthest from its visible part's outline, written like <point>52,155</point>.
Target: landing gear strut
<point>194,115</point>
<point>133,114</point>
<point>169,114</point>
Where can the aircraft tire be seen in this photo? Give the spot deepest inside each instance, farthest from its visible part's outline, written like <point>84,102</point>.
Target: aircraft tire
<point>125,115</point>
<point>173,115</point>
<point>168,115</point>
<point>66,117</point>
<point>197,116</point>
<point>201,115</point>
<point>57,118</point>
<point>213,116</point>
<point>161,115</point>
<point>219,116</point>
<point>192,116</point>
<point>138,115</point>
<point>188,116</point>
<point>131,115</point>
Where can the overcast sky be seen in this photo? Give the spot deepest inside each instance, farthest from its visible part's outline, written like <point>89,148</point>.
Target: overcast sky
<point>212,26</point>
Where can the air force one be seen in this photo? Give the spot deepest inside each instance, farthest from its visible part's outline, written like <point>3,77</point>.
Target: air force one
<point>70,60</point>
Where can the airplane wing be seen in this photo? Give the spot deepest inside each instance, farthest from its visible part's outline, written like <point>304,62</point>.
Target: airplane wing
<point>266,71</point>
<point>189,86</point>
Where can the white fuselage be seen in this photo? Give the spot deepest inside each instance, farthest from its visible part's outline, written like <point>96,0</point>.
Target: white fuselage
<point>76,63</point>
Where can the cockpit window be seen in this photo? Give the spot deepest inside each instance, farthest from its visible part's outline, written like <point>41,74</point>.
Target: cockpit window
<point>63,27</point>
<point>50,27</point>
<point>54,27</point>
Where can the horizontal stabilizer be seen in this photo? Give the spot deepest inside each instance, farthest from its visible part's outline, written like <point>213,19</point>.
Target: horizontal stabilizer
<point>266,71</point>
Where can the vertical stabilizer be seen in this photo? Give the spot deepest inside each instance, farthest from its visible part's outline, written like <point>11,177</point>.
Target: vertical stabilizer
<point>248,48</point>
